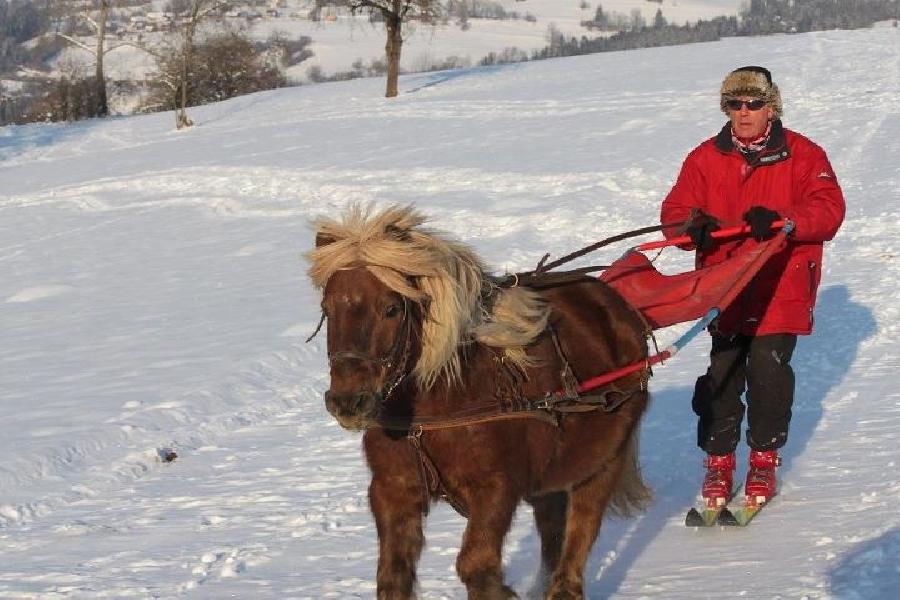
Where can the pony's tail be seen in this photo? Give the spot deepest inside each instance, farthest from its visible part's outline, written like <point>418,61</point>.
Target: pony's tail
<point>631,495</point>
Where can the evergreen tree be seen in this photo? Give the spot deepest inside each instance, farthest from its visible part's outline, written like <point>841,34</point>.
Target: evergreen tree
<point>659,21</point>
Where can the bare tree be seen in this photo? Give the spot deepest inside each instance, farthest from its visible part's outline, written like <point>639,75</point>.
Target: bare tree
<point>197,10</point>
<point>394,13</point>
<point>96,16</point>
<point>205,62</point>
<point>177,61</point>
<point>225,64</point>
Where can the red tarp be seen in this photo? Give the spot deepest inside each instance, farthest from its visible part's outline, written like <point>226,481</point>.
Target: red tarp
<point>668,299</point>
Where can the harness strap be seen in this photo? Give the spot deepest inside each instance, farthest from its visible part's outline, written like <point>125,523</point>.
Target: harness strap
<point>432,484</point>
<point>607,401</point>
<point>430,477</point>
<point>427,472</point>
<point>569,381</point>
<point>540,280</point>
<point>445,423</point>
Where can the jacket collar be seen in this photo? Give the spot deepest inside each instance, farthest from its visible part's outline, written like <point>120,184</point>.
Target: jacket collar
<point>776,149</point>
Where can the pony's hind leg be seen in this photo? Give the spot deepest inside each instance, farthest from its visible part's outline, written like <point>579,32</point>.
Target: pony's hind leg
<point>479,563</point>
<point>550,520</point>
<point>398,518</point>
<point>587,503</point>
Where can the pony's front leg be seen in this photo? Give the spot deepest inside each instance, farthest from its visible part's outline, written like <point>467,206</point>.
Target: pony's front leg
<point>397,505</point>
<point>479,563</point>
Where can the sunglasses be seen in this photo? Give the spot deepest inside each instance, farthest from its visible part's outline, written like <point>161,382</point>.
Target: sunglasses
<point>734,104</point>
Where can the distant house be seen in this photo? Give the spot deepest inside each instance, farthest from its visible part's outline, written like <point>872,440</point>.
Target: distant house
<point>137,23</point>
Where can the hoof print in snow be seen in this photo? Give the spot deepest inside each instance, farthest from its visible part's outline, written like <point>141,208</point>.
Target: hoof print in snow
<point>166,454</point>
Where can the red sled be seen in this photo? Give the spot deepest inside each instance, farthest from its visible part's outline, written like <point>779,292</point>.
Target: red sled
<point>665,300</point>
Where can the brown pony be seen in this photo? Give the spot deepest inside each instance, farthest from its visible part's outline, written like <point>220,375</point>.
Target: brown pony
<point>460,386</point>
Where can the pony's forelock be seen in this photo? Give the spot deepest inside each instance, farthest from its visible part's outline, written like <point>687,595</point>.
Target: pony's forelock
<point>443,275</point>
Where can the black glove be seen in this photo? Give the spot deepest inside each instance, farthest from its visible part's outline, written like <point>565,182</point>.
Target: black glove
<point>700,229</point>
<point>760,220</point>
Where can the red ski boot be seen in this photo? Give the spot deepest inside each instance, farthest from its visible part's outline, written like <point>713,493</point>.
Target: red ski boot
<point>761,483</point>
<point>719,476</point>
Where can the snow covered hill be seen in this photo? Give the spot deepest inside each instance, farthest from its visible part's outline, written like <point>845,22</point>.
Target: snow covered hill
<point>153,301</point>
<point>341,39</point>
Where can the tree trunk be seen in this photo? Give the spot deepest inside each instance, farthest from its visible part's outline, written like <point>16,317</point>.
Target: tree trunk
<point>101,106</point>
<point>187,57</point>
<point>393,24</point>
<point>181,118</point>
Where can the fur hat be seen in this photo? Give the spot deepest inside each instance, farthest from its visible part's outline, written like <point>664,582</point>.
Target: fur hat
<point>751,81</point>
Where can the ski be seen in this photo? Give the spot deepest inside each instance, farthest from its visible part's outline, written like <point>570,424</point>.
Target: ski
<point>742,516</point>
<point>707,516</point>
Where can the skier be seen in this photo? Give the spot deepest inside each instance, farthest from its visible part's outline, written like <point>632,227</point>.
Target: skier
<point>754,171</point>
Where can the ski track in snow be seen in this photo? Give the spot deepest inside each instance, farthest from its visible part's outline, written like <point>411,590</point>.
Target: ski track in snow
<point>153,300</point>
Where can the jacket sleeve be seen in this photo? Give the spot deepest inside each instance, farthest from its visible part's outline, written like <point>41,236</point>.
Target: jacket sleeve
<point>686,196</point>
<point>818,206</point>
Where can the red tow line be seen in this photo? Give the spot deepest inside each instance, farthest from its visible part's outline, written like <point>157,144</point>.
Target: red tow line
<point>785,227</point>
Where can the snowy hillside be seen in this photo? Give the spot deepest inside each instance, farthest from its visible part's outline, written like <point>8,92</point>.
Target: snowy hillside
<point>153,301</point>
<point>343,39</point>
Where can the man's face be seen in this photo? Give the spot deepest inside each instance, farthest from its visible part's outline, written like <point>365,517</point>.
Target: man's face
<point>747,123</point>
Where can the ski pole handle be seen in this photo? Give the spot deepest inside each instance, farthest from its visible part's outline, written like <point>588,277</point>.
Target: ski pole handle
<point>721,233</point>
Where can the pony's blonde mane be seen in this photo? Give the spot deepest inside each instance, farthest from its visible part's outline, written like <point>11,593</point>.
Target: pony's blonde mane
<point>443,276</point>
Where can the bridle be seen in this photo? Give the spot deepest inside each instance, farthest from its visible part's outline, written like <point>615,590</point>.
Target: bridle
<point>394,363</point>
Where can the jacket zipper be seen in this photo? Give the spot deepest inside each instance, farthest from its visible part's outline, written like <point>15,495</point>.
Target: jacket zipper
<point>811,268</point>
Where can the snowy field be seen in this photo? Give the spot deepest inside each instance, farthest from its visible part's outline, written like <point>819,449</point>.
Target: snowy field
<point>153,300</point>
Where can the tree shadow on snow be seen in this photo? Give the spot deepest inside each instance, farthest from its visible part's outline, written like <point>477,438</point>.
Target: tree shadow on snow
<point>439,77</point>
<point>671,462</point>
<point>16,140</point>
<point>869,571</point>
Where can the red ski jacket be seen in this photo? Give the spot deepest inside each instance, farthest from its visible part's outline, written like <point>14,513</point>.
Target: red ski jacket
<point>792,176</point>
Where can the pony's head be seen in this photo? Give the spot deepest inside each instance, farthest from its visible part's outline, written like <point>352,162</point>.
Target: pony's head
<point>371,330</point>
<point>400,301</point>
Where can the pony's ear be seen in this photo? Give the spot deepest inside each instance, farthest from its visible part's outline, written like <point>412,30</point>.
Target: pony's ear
<point>425,303</point>
<point>323,239</point>
<point>398,234</point>
<point>425,300</point>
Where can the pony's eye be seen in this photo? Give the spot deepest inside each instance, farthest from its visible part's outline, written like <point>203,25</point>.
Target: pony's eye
<point>392,311</point>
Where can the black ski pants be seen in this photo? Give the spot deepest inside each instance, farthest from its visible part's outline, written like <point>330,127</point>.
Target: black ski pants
<point>759,364</point>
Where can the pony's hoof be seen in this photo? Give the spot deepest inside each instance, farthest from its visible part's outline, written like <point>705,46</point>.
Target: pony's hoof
<point>562,591</point>
<point>565,595</point>
<point>508,593</point>
<point>502,593</point>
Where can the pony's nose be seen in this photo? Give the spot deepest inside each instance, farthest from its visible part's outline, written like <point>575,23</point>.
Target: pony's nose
<point>363,403</point>
<point>360,403</point>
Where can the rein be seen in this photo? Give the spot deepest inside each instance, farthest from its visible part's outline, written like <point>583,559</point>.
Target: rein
<point>541,276</point>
